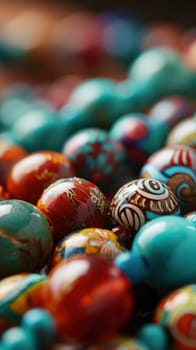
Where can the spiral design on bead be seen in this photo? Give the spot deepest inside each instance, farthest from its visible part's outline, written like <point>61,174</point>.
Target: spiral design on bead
<point>152,189</point>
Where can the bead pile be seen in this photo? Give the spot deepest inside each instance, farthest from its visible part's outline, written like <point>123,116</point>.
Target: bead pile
<point>98,193</point>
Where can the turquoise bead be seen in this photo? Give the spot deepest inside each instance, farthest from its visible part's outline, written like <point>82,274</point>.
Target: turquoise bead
<point>168,246</point>
<point>18,339</point>
<point>153,336</point>
<point>25,238</point>
<point>41,325</point>
<point>133,266</point>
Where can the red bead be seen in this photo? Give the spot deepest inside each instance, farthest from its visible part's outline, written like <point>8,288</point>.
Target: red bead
<point>30,176</point>
<point>89,298</point>
<point>71,204</point>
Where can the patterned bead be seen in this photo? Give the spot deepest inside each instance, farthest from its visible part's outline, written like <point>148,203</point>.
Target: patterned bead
<point>176,167</point>
<point>142,200</point>
<point>184,133</point>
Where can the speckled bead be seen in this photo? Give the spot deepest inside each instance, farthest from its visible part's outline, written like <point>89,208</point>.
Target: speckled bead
<point>176,167</point>
<point>25,238</point>
<point>142,200</point>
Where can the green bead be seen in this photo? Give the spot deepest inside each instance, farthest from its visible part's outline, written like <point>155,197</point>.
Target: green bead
<point>41,325</point>
<point>25,238</point>
<point>154,337</point>
<point>168,246</point>
<point>18,339</point>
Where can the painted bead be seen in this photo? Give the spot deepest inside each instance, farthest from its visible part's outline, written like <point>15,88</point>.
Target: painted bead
<point>140,137</point>
<point>84,294</point>
<point>36,172</point>
<point>9,155</point>
<point>96,157</point>
<point>89,241</point>
<point>142,200</point>
<point>176,167</point>
<point>184,133</point>
<point>25,238</point>
<point>16,297</point>
<point>73,203</point>
<point>177,313</point>
<point>172,110</point>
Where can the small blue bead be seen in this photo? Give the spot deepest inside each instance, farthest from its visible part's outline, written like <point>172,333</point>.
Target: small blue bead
<point>133,266</point>
<point>154,337</point>
<point>41,325</point>
<point>18,338</point>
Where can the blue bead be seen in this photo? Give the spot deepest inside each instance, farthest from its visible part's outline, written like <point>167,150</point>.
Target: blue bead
<point>154,337</point>
<point>133,266</point>
<point>41,325</point>
<point>18,339</point>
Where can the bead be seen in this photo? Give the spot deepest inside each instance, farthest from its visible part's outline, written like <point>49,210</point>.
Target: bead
<point>184,133</point>
<point>18,339</point>
<point>142,200</point>
<point>176,312</point>
<point>73,203</point>
<point>41,325</point>
<point>176,167</point>
<point>96,157</point>
<point>168,246</point>
<point>153,336</point>
<point>89,241</point>
<point>25,238</point>
<point>84,295</point>
<point>37,171</point>
<point>140,137</point>
<point>16,297</point>
<point>191,217</point>
<point>133,266</point>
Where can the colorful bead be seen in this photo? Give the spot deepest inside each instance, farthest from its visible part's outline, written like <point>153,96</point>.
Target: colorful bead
<point>25,238</point>
<point>142,200</point>
<point>84,295</point>
<point>176,167</point>
<point>36,172</point>
<point>184,133</point>
<point>96,157</point>
<point>177,313</point>
<point>73,203</point>
<point>89,241</point>
<point>16,294</point>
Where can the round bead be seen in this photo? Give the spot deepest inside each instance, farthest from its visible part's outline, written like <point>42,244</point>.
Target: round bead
<point>176,167</point>
<point>184,133</point>
<point>96,157</point>
<point>167,244</point>
<point>177,312</point>
<point>18,338</point>
<point>133,266</point>
<point>142,200</point>
<point>73,203</point>
<point>89,241</point>
<point>191,217</point>
<point>40,323</point>
<point>16,297</point>
<point>154,337</point>
<point>25,238</point>
<point>84,295</point>
<point>36,172</point>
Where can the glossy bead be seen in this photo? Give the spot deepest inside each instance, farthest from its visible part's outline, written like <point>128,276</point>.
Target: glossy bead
<point>9,155</point>
<point>191,217</point>
<point>16,297</point>
<point>89,241</point>
<point>140,137</point>
<point>154,337</point>
<point>25,238</point>
<point>121,343</point>
<point>167,245</point>
<point>18,338</point>
<point>73,203</point>
<point>84,295</point>
<point>176,167</point>
<point>36,172</point>
<point>41,324</point>
<point>177,313</point>
<point>142,200</point>
<point>96,157</point>
<point>172,110</point>
<point>184,133</point>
